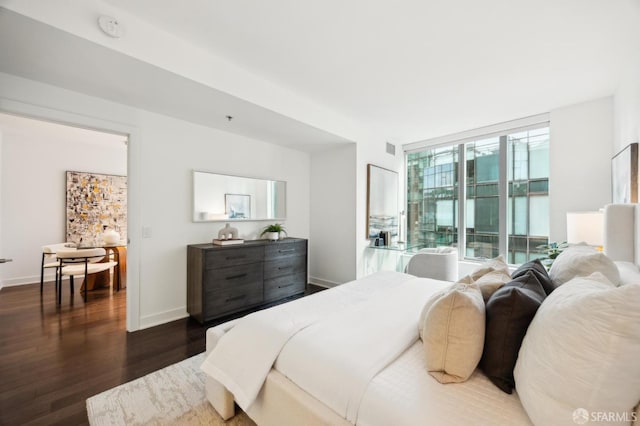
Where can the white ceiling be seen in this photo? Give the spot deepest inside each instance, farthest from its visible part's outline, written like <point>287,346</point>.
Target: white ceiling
<point>416,69</point>
<point>403,70</point>
<point>41,52</point>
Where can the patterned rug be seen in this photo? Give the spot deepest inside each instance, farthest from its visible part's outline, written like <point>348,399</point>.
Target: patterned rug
<point>173,395</point>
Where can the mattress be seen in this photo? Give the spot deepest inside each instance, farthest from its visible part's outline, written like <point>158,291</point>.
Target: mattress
<point>405,394</point>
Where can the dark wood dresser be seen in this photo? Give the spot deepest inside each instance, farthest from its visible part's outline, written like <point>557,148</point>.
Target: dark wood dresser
<point>222,280</point>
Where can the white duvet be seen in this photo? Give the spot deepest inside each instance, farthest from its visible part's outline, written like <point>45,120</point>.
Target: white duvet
<point>243,357</point>
<point>335,359</point>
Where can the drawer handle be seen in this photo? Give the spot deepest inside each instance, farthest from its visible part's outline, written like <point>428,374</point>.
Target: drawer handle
<point>286,285</point>
<point>235,277</point>
<point>231,299</point>
<point>286,251</point>
<point>235,257</point>
<point>282,268</point>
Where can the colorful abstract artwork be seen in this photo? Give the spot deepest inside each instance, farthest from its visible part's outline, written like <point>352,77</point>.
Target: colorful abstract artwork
<point>95,202</point>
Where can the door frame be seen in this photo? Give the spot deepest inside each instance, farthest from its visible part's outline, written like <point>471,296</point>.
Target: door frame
<point>134,209</point>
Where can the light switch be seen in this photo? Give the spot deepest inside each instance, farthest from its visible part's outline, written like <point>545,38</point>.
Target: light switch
<point>146,232</point>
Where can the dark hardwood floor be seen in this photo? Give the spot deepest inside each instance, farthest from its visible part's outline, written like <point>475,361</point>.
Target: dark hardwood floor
<point>53,358</point>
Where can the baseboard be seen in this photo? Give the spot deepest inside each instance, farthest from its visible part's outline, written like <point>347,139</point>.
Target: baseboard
<point>162,318</point>
<point>24,281</point>
<point>323,283</point>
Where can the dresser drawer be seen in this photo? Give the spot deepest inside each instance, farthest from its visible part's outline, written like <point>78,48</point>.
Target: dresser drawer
<point>223,280</point>
<point>218,258</point>
<point>277,288</point>
<point>282,249</point>
<point>232,299</point>
<point>233,276</point>
<point>284,266</point>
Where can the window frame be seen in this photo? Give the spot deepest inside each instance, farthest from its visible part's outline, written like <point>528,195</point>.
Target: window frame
<point>502,131</point>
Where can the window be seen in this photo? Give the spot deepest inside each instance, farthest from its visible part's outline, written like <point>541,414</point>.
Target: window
<point>505,193</point>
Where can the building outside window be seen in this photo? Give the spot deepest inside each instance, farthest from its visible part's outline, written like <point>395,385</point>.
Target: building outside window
<point>504,193</point>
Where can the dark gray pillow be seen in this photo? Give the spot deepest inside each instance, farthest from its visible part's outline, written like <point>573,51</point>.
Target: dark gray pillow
<point>540,272</point>
<point>509,312</point>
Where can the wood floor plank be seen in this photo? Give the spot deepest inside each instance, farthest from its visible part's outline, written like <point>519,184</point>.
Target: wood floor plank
<point>52,358</point>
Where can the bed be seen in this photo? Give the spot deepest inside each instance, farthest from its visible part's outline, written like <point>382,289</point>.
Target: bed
<point>354,354</point>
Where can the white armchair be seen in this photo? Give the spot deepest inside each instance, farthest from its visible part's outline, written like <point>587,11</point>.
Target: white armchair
<point>437,263</point>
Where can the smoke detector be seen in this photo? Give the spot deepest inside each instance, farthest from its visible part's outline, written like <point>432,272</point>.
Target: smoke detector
<point>110,26</point>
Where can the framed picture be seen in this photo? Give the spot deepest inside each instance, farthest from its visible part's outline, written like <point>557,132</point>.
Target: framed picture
<point>95,202</point>
<point>382,203</point>
<point>237,206</point>
<point>624,175</point>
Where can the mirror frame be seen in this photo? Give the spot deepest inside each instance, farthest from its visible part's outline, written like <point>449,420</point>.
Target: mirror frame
<point>391,174</point>
<point>193,199</point>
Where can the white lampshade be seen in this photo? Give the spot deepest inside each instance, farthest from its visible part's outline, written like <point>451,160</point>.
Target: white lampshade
<point>585,227</point>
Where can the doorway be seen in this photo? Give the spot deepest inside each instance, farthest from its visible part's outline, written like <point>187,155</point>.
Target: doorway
<point>35,156</point>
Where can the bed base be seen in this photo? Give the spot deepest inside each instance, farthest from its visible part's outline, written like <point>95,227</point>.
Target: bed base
<point>280,401</point>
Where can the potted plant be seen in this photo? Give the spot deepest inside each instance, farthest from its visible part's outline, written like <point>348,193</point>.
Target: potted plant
<point>552,250</point>
<point>272,232</point>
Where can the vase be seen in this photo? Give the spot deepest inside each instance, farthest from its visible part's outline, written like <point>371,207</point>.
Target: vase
<point>272,236</point>
<point>110,237</point>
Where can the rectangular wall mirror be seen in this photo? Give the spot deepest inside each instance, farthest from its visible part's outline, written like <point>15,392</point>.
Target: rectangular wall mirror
<point>218,197</point>
<point>382,202</point>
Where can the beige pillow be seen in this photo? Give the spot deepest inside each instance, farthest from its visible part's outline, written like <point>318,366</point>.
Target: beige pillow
<point>491,265</point>
<point>453,333</point>
<point>489,283</point>
<point>430,302</point>
<point>490,276</point>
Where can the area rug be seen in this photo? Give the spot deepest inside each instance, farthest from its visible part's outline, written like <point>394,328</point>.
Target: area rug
<point>173,395</point>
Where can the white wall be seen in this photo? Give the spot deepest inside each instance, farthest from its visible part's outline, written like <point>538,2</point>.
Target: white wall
<point>162,153</point>
<point>627,111</point>
<point>33,194</point>
<point>171,149</point>
<point>332,246</point>
<point>627,102</point>
<point>580,152</point>
<point>372,150</point>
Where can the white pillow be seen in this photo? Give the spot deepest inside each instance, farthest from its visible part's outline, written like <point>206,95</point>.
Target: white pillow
<point>582,261</point>
<point>582,351</point>
<point>629,272</point>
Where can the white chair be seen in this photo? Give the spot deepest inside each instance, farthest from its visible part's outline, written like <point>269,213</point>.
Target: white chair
<point>81,262</point>
<point>437,263</point>
<point>49,259</point>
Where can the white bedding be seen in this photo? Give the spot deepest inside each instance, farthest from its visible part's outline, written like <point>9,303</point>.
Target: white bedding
<point>334,360</point>
<point>242,369</point>
<point>405,394</point>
